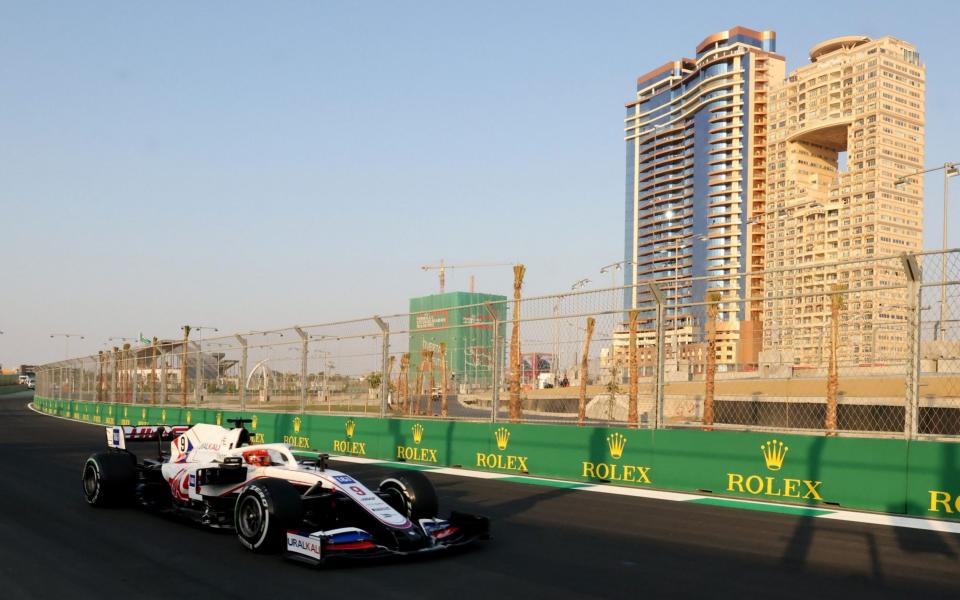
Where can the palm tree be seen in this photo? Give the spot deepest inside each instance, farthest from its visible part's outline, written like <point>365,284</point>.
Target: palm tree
<point>516,412</point>
<point>582,408</point>
<point>632,417</point>
<point>443,379</point>
<point>837,301</point>
<point>713,298</point>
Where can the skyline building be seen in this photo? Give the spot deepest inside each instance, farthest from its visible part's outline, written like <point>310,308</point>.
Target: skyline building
<point>843,129</point>
<point>696,144</point>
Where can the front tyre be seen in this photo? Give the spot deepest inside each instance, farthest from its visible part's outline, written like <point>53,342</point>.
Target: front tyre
<point>412,494</point>
<point>265,509</point>
<point>109,479</point>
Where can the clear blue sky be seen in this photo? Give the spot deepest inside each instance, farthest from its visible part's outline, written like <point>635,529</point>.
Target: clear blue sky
<point>252,164</point>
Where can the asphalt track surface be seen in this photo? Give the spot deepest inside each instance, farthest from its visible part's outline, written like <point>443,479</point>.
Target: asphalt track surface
<point>549,543</point>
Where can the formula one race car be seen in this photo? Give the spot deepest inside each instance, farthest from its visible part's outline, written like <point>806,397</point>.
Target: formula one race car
<point>272,499</point>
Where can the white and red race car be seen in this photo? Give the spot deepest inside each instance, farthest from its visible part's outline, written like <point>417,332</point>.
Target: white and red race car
<point>273,499</point>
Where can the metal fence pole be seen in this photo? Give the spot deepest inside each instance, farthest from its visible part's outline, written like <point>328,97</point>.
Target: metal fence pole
<point>305,341</point>
<point>494,365</point>
<point>113,376</point>
<point>912,400</point>
<point>198,378</point>
<point>163,377</point>
<point>133,376</point>
<point>658,374</point>
<point>384,365</point>
<point>242,375</point>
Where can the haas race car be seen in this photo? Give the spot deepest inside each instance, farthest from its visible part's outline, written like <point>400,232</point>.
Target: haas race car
<point>274,501</point>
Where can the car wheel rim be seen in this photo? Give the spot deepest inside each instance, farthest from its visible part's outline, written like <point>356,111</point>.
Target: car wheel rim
<point>403,504</point>
<point>250,518</point>
<point>90,483</point>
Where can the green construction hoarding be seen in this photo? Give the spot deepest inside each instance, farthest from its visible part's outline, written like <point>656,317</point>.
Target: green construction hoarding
<point>465,322</point>
<point>920,478</point>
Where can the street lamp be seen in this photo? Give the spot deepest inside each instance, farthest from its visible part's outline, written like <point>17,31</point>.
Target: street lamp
<point>612,268</point>
<point>577,285</point>
<point>66,341</point>
<point>949,170</point>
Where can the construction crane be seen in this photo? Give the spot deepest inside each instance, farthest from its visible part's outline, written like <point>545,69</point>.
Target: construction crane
<point>442,268</point>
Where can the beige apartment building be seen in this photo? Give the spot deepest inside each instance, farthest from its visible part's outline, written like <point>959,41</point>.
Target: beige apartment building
<point>842,130</point>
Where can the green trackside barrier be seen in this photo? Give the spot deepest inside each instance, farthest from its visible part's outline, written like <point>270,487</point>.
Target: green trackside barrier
<point>933,472</point>
<point>919,478</point>
<point>865,473</point>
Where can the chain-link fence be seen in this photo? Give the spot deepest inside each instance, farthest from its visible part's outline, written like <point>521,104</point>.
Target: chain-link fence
<point>861,347</point>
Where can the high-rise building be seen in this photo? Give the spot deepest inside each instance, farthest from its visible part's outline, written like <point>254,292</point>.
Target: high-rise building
<point>696,136</point>
<point>843,129</point>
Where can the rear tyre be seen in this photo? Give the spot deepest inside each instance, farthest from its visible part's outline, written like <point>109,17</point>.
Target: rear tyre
<point>109,479</point>
<point>412,494</point>
<point>265,510</point>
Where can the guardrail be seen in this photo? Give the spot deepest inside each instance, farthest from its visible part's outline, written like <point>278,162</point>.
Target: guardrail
<point>897,476</point>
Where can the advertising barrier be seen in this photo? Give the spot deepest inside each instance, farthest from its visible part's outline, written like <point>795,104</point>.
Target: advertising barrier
<point>919,478</point>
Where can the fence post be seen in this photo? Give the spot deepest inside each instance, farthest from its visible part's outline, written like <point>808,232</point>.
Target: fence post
<point>163,376</point>
<point>133,375</point>
<point>911,405</point>
<point>113,376</point>
<point>242,375</point>
<point>384,363</point>
<point>305,341</point>
<point>658,373</point>
<point>494,365</point>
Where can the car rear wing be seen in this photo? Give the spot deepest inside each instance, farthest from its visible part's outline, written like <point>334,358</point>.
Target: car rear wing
<point>118,436</point>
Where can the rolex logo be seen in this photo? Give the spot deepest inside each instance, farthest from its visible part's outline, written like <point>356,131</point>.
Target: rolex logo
<point>417,430</point>
<point>773,453</point>
<point>616,442</point>
<point>253,421</point>
<point>189,416</point>
<point>502,436</point>
<point>296,424</point>
<point>350,426</point>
